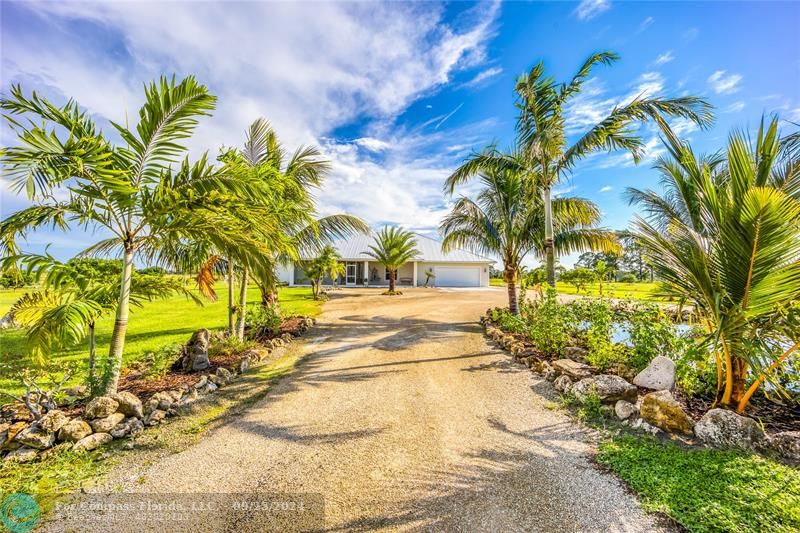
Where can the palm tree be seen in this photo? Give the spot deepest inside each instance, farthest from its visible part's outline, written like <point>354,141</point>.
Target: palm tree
<point>508,219</point>
<point>336,269</point>
<point>130,191</point>
<point>69,301</point>
<point>725,235</point>
<point>542,129</point>
<point>393,247</point>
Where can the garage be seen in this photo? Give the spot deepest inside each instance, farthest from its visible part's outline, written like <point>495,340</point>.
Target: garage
<point>461,276</point>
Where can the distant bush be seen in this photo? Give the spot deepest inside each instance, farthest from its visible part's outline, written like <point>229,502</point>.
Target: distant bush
<point>15,280</point>
<point>152,271</point>
<point>628,278</point>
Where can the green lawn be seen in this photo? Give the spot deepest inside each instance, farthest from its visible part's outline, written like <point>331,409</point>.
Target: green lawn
<point>707,490</point>
<point>643,291</point>
<point>157,324</point>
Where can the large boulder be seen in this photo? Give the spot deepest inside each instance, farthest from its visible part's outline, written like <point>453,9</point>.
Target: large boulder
<point>663,411</point>
<point>95,440</point>
<point>573,369</point>
<point>101,407</point>
<point>53,420</point>
<point>129,404</point>
<point>195,352</point>
<point>722,428</point>
<point>74,430</point>
<point>105,425</point>
<point>786,444</point>
<point>609,389</point>
<point>15,412</point>
<point>659,374</point>
<point>37,437</point>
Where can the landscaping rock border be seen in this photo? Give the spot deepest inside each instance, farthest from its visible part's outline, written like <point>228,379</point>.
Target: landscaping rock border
<point>123,415</point>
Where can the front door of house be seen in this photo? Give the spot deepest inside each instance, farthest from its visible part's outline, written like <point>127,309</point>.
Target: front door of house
<point>350,274</point>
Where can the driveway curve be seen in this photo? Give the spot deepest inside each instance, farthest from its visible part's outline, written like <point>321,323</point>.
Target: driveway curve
<point>403,417</point>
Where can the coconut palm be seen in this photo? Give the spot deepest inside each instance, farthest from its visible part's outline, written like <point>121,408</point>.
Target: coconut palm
<point>74,175</point>
<point>64,309</point>
<point>543,123</point>
<point>725,235</point>
<point>393,248</point>
<point>507,219</point>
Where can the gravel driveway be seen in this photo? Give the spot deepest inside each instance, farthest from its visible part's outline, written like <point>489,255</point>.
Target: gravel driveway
<point>403,417</point>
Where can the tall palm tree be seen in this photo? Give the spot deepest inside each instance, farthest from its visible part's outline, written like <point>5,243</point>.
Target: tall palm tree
<point>725,235</point>
<point>508,219</point>
<point>393,247</point>
<point>130,191</point>
<point>542,129</point>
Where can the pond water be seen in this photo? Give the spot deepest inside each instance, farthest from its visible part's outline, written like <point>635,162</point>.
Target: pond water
<point>619,332</point>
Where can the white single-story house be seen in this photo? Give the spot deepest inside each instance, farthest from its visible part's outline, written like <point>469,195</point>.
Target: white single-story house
<point>457,268</point>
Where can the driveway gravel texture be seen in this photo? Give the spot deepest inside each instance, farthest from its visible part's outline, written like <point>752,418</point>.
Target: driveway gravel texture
<point>402,417</point>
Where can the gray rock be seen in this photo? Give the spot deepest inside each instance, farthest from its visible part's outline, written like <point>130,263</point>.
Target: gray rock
<point>244,365</point>
<point>22,455</point>
<point>575,352</point>
<point>624,409</point>
<point>128,428</point>
<point>608,388</point>
<point>722,428</point>
<point>639,423</point>
<point>551,374</point>
<point>659,375</point>
<point>663,411</point>
<point>91,442</point>
<point>15,412</point>
<point>786,444</point>
<point>573,369</point>
<point>101,407</point>
<point>78,392</point>
<point>225,375</point>
<point>129,404</point>
<point>164,400</point>
<point>209,388</point>
<point>563,384</point>
<point>53,420</point>
<point>74,430</point>
<point>190,397</point>
<point>105,425</point>
<point>201,382</point>
<point>155,418</point>
<point>35,436</point>
<point>195,353</point>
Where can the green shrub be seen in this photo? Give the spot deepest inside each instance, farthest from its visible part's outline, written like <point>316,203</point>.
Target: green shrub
<point>508,322</point>
<point>262,321</point>
<point>628,278</point>
<point>652,333</point>
<point>152,271</point>
<point>551,325</point>
<point>229,345</point>
<point>598,320</point>
<point>696,372</point>
<point>157,363</point>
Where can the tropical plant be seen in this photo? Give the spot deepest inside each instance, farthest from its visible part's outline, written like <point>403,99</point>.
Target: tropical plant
<point>336,269</point>
<point>316,268</point>
<point>70,299</point>
<point>73,174</point>
<point>393,248</point>
<point>542,129</point>
<point>725,235</point>
<point>507,218</point>
<point>604,272</point>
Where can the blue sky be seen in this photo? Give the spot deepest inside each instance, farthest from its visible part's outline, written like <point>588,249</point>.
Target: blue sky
<point>398,94</point>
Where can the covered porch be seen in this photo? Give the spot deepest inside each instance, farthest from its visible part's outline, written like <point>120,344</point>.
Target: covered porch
<point>360,273</point>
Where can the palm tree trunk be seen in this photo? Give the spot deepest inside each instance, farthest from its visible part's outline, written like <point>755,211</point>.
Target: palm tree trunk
<point>114,365</point>
<point>242,306</point>
<point>511,286</point>
<point>549,252</point>
<point>391,281</point>
<point>230,296</point>
<point>93,385</point>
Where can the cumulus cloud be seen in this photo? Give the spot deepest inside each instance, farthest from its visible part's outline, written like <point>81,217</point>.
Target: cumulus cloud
<point>723,83</point>
<point>308,71</point>
<point>588,9</point>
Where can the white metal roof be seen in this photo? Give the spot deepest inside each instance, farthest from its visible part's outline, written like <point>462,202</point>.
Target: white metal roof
<point>430,250</point>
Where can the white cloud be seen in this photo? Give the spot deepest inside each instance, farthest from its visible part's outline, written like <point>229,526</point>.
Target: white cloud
<point>309,71</point>
<point>666,57</point>
<point>683,127</point>
<point>794,114</point>
<point>735,107</point>
<point>646,23</point>
<point>724,84</point>
<point>588,9</point>
<point>651,150</point>
<point>561,191</point>
<point>607,188</point>
<point>483,76</point>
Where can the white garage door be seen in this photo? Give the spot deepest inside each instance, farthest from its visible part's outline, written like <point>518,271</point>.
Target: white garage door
<point>458,276</point>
